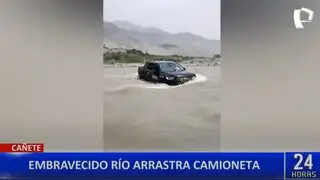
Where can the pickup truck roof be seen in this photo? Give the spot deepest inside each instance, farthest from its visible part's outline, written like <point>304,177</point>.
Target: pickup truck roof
<point>160,61</point>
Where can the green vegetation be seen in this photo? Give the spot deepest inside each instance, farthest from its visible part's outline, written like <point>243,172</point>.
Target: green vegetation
<point>137,56</point>
<point>112,56</point>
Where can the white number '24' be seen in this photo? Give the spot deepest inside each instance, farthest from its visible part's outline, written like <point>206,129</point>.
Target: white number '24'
<point>307,162</point>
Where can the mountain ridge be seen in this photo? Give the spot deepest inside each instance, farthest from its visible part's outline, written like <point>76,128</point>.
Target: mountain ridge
<point>123,34</point>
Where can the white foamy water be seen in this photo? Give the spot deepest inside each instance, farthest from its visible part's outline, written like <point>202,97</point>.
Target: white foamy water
<point>148,85</point>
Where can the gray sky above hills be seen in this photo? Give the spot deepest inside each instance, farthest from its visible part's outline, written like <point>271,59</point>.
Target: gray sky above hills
<point>200,17</point>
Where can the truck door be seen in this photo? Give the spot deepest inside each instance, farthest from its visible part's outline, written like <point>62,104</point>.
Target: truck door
<point>153,70</point>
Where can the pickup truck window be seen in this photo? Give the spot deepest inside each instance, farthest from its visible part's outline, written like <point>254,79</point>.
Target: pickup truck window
<point>165,67</point>
<point>152,66</point>
<point>176,67</point>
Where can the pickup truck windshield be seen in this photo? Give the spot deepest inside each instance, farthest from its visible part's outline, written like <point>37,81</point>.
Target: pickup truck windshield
<point>177,66</point>
<point>171,67</point>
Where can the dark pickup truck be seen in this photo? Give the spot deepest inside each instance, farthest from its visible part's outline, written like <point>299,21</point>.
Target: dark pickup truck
<point>167,72</point>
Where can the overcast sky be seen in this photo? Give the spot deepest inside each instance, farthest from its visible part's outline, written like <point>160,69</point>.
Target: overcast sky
<point>201,17</point>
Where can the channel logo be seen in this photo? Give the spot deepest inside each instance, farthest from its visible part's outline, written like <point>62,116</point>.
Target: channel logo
<point>297,17</point>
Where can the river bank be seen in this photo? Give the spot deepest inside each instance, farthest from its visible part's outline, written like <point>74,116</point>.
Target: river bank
<point>185,64</point>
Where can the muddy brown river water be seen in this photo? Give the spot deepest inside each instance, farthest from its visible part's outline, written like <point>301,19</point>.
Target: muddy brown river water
<point>141,116</point>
